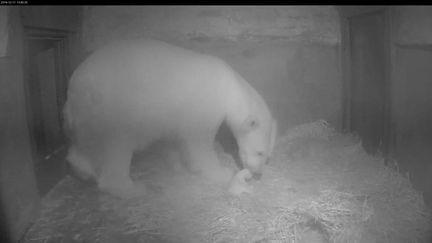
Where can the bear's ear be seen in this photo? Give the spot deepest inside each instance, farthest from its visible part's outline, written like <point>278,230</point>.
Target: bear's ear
<point>250,123</point>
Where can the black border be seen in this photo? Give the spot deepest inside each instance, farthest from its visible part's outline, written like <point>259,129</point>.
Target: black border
<point>205,3</point>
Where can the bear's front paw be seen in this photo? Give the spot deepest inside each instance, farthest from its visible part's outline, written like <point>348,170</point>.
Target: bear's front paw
<point>239,183</point>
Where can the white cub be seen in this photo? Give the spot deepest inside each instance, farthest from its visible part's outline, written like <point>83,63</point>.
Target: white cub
<point>129,94</point>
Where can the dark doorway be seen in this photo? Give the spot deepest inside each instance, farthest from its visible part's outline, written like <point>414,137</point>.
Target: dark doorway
<point>366,111</point>
<point>45,80</point>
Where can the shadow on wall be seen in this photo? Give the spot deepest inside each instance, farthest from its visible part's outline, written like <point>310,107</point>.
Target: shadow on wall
<point>4,227</point>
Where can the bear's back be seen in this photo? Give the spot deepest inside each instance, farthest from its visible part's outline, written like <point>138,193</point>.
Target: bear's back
<point>140,63</point>
<point>146,80</point>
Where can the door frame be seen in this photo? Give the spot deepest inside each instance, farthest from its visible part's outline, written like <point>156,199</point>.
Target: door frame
<point>345,13</point>
<point>62,46</point>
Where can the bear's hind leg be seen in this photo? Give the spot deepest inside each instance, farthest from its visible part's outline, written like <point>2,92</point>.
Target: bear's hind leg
<point>114,175</point>
<point>80,164</point>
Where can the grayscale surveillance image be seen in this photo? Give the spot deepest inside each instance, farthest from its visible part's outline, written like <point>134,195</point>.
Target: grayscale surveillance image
<point>215,123</point>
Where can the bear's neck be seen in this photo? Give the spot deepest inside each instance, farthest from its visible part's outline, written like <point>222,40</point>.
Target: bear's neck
<point>241,105</point>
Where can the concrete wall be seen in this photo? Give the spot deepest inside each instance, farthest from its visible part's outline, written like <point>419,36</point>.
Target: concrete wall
<point>412,39</point>
<point>53,17</point>
<point>19,198</point>
<point>413,24</point>
<point>411,93</point>
<point>3,31</point>
<point>289,54</point>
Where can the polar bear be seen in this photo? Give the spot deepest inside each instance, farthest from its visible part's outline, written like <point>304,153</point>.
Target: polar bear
<point>128,94</point>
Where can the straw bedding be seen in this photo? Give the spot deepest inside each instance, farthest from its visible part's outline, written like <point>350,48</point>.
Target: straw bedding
<point>321,186</point>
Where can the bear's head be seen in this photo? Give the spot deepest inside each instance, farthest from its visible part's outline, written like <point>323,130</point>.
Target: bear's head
<point>256,141</point>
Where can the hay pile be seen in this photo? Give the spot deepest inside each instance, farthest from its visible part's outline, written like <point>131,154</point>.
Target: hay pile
<point>320,187</point>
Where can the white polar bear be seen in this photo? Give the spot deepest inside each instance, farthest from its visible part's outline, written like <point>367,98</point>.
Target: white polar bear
<point>131,93</point>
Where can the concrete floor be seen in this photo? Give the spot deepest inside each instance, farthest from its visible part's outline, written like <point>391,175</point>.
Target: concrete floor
<point>49,171</point>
